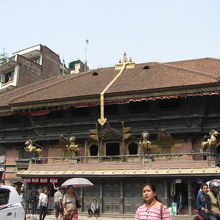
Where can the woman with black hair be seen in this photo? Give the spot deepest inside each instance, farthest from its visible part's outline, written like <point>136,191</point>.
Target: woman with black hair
<point>43,203</point>
<point>203,202</point>
<point>152,209</point>
<point>69,204</point>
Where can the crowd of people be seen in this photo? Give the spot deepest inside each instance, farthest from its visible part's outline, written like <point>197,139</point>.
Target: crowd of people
<point>208,201</point>
<point>66,203</point>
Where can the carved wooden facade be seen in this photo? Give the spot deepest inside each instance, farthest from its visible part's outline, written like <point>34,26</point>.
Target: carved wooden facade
<point>112,155</point>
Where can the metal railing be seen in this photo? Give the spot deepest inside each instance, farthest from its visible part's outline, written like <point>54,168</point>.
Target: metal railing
<point>205,156</point>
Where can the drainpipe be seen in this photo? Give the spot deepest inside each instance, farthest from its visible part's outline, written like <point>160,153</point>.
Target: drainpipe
<point>102,120</point>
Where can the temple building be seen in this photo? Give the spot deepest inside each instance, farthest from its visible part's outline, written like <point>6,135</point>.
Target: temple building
<point>120,127</point>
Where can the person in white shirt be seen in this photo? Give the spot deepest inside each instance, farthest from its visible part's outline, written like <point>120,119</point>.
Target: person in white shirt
<point>58,197</point>
<point>94,209</point>
<point>43,203</point>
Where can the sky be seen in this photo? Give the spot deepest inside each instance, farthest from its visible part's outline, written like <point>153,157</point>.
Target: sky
<point>147,30</point>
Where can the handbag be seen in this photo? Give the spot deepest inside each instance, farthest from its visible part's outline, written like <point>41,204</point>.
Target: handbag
<point>78,205</point>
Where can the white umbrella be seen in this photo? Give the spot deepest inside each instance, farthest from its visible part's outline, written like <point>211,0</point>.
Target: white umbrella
<point>77,182</point>
<point>217,180</point>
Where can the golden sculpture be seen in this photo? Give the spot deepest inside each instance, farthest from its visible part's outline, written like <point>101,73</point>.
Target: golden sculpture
<point>145,143</point>
<point>209,140</point>
<point>70,144</point>
<point>165,140</point>
<point>29,147</point>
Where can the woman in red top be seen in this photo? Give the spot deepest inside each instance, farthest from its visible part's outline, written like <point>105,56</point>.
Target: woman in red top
<point>152,209</point>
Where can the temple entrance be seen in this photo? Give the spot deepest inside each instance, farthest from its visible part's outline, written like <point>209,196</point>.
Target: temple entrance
<point>111,197</point>
<point>112,149</point>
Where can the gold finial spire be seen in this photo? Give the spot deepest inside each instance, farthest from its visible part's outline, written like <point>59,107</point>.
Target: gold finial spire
<point>125,60</point>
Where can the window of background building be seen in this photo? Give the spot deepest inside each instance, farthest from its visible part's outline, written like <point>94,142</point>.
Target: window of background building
<point>7,76</point>
<point>36,60</point>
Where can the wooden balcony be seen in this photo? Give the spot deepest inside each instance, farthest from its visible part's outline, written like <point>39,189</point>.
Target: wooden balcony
<point>22,164</point>
<point>125,162</point>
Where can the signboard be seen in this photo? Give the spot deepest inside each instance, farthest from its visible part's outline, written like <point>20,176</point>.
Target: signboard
<point>2,159</point>
<point>178,181</point>
<point>35,180</point>
<point>53,180</point>
<point>43,180</point>
<point>3,176</point>
<point>27,180</point>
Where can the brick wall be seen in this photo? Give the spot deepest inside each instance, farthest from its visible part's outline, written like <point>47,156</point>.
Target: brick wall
<point>10,172</point>
<point>29,72</point>
<point>51,62</point>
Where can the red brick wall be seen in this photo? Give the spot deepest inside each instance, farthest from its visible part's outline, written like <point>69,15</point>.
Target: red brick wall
<point>185,147</point>
<point>29,72</point>
<point>11,155</point>
<point>10,172</point>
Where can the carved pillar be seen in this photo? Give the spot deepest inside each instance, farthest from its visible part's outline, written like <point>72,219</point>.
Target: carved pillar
<point>189,189</point>
<point>101,197</point>
<point>121,204</point>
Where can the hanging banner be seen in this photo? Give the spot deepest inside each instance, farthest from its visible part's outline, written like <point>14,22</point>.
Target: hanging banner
<point>27,180</point>
<point>3,176</point>
<point>43,180</point>
<point>53,180</point>
<point>2,159</point>
<point>35,180</point>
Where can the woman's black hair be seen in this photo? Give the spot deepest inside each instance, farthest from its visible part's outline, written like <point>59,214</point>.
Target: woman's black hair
<point>152,186</point>
<point>69,186</point>
<point>154,189</point>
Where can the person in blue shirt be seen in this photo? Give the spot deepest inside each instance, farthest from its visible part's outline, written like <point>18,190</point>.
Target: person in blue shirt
<point>203,202</point>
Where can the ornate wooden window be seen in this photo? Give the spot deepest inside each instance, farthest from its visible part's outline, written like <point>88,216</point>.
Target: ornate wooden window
<point>93,150</point>
<point>169,104</point>
<point>79,112</point>
<point>112,149</point>
<point>111,109</point>
<point>132,148</point>
<point>138,107</point>
<point>55,115</point>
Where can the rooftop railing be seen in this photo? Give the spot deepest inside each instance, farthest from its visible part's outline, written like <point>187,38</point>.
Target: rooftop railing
<point>205,156</point>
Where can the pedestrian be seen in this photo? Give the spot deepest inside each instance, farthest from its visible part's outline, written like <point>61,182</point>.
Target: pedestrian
<point>94,208</point>
<point>58,198</point>
<point>152,209</point>
<point>215,199</point>
<point>203,202</point>
<point>28,201</point>
<point>34,200</point>
<point>43,203</point>
<point>69,205</point>
<point>180,201</point>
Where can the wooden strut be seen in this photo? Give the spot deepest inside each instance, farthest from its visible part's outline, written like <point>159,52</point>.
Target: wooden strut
<point>102,120</point>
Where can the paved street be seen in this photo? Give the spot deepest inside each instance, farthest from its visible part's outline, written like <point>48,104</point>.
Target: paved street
<point>85,217</point>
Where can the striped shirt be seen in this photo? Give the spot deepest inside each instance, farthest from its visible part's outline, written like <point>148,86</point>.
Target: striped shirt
<point>144,213</point>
